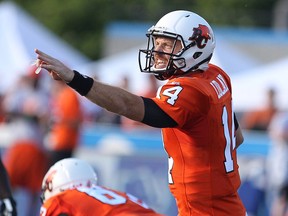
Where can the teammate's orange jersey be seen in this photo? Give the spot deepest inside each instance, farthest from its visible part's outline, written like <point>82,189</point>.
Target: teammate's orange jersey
<point>26,165</point>
<point>203,170</point>
<point>96,200</point>
<point>67,116</point>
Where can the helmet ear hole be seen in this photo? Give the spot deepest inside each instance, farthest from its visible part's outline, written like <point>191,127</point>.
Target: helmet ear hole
<point>197,55</point>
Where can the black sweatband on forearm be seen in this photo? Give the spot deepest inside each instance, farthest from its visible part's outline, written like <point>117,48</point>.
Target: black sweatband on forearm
<point>81,83</point>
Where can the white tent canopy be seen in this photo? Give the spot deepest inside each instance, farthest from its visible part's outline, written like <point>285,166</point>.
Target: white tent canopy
<point>231,60</point>
<point>20,35</point>
<point>250,87</point>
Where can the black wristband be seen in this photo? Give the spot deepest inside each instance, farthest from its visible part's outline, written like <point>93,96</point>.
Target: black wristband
<point>81,83</point>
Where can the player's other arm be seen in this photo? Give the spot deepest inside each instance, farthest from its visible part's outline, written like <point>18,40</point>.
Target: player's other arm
<point>238,133</point>
<point>239,137</point>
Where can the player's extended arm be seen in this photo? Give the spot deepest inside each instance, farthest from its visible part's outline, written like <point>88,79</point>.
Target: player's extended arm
<point>112,98</point>
<point>117,100</point>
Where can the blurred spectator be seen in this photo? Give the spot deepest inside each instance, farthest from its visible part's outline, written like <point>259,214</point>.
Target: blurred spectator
<point>277,159</point>
<point>65,122</point>
<point>26,164</point>
<point>25,107</point>
<point>152,87</point>
<point>260,119</point>
<point>253,183</point>
<point>280,205</point>
<point>26,98</point>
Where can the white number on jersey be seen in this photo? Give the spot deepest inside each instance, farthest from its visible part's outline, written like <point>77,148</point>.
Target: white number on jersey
<point>110,197</point>
<point>136,200</point>
<point>229,140</point>
<point>104,195</point>
<point>172,93</point>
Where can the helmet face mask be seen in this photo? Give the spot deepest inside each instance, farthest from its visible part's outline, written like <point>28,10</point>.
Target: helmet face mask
<point>197,40</point>
<point>67,174</point>
<point>150,53</point>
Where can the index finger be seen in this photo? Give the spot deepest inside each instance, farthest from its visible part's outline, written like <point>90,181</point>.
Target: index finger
<point>39,52</point>
<point>43,56</point>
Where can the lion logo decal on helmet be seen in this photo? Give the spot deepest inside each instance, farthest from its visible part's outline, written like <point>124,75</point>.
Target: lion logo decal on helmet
<point>48,183</point>
<point>201,35</point>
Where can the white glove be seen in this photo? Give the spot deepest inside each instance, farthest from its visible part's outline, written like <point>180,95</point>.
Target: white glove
<point>8,207</point>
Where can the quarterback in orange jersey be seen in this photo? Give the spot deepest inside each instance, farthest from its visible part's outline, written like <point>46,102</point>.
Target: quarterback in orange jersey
<point>203,173</point>
<point>70,189</point>
<point>194,109</point>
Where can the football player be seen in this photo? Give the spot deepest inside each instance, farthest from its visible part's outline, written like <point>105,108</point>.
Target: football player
<point>70,188</point>
<point>193,108</point>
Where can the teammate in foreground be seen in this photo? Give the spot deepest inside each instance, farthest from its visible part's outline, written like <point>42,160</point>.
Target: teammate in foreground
<point>193,108</point>
<point>70,188</point>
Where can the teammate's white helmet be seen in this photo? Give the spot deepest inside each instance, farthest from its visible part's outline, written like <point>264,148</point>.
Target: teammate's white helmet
<point>197,41</point>
<point>67,174</point>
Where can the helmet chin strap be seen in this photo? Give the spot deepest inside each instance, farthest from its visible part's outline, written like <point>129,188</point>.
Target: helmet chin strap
<point>165,75</point>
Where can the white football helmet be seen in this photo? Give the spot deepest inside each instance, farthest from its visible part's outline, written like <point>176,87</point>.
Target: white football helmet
<point>67,174</point>
<point>197,41</point>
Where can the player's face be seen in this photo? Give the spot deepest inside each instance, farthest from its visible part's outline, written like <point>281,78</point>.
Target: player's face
<point>166,45</point>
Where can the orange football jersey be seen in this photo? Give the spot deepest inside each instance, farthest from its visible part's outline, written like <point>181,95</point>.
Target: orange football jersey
<point>203,170</point>
<point>66,109</point>
<point>96,200</point>
<point>26,165</point>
